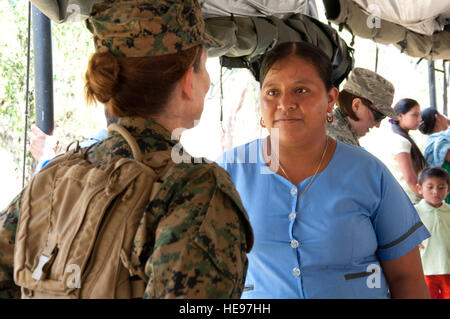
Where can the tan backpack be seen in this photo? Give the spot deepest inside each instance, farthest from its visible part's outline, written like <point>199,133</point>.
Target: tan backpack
<point>78,221</point>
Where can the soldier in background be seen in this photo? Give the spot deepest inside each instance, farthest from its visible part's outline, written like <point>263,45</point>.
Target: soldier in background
<point>363,103</point>
<point>149,70</point>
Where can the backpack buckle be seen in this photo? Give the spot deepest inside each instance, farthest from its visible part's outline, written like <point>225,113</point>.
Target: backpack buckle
<point>38,272</point>
<point>46,259</point>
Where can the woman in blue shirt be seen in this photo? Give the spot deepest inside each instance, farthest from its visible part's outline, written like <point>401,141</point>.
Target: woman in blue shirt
<point>329,219</point>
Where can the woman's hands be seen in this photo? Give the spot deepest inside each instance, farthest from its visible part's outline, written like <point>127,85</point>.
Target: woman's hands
<point>41,144</point>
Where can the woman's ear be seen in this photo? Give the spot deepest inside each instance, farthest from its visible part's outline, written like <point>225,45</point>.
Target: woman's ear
<point>187,85</point>
<point>356,104</point>
<point>419,189</point>
<point>332,98</point>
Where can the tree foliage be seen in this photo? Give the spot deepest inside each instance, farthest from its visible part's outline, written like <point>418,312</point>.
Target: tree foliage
<point>13,62</point>
<point>72,47</point>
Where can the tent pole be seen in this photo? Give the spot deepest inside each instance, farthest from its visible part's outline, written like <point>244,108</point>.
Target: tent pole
<point>432,84</point>
<point>43,71</point>
<point>376,59</point>
<point>445,88</point>
<point>27,97</point>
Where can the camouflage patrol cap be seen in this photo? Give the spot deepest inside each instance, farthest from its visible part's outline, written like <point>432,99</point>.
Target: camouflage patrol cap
<point>373,87</point>
<point>138,28</point>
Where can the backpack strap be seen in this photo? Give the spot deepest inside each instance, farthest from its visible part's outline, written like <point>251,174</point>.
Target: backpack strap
<point>160,160</point>
<point>129,138</point>
<point>77,147</point>
<point>153,160</point>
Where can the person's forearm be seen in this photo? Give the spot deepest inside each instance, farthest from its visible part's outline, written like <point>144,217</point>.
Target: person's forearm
<point>406,168</point>
<point>413,187</point>
<point>411,180</point>
<point>409,288</point>
<point>405,276</point>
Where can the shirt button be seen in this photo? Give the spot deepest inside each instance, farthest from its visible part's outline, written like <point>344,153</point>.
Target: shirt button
<point>292,216</point>
<point>293,191</point>
<point>296,272</point>
<point>294,243</point>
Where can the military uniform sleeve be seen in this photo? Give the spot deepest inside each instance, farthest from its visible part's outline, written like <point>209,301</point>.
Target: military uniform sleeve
<point>8,224</point>
<point>201,243</point>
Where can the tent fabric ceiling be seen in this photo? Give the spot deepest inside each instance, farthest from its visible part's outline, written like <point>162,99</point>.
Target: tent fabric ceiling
<point>366,23</point>
<point>255,8</point>
<point>61,11</point>
<point>421,16</point>
<point>422,27</point>
<point>416,27</point>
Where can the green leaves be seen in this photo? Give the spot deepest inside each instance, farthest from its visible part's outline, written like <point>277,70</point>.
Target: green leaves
<point>72,46</point>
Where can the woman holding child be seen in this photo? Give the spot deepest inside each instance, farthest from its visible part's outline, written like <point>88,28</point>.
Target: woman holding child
<point>329,219</point>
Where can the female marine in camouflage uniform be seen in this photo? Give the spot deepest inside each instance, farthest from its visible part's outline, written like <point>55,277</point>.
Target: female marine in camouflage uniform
<point>149,69</point>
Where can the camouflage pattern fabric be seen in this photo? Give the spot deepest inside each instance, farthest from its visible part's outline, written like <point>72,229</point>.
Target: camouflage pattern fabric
<point>341,130</point>
<point>372,86</point>
<point>8,224</point>
<point>193,237</point>
<point>138,28</point>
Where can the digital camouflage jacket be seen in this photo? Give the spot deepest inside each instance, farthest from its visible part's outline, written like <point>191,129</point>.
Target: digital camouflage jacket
<point>194,238</point>
<point>341,130</point>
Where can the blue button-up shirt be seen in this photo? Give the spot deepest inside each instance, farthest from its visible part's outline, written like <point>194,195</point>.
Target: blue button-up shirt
<point>329,243</point>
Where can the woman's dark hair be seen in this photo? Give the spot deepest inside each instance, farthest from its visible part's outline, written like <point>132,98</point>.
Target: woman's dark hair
<point>137,86</point>
<point>433,171</point>
<point>304,50</point>
<point>345,101</point>
<point>428,116</point>
<point>404,106</point>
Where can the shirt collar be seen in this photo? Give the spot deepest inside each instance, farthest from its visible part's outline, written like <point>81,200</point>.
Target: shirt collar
<point>143,127</point>
<point>427,207</point>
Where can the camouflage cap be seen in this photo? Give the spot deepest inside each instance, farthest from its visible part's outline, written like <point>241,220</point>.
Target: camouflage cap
<point>373,87</point>
<point>138,28</point>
